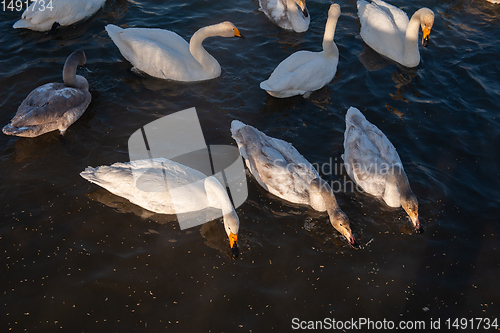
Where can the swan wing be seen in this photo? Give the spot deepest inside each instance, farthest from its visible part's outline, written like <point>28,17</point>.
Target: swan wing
<point>157,52</point>
<point>275,163</point>
<point>276,10</point>
<point>368,154</point>
<point>399,17</point>
<point>303,71</point>
<point>379,29</point>
<point>154,175</point>
<point>49,103</point>
<point>65,12</point>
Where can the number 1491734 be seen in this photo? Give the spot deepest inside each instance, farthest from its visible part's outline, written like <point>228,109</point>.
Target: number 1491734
<point>19,5</point>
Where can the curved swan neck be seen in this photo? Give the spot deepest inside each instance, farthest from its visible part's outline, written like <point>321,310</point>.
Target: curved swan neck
<point>411,53</point>
<point>329,47</point>
<point>217,196</point>
<point>198,51</point>
<point>397,176</point>
<point>69,71</point>
<point>323,189</point>
<point>291,6</point>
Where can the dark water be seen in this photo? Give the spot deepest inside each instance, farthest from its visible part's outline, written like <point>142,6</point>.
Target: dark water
<point>75,257</point>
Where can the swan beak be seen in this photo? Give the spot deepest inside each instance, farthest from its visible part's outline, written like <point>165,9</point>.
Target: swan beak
<point>303,8</point>
<point>425,39</point>
<point>416,223</point>
<point>354,244</point>
<point>237,33</point>
<point>233,242</point>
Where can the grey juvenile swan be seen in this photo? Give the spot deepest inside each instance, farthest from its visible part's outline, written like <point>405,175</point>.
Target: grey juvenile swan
<point>53,106</point>
<point>280,169</point>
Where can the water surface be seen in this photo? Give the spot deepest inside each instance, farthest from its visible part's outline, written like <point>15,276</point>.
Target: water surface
<point>78,258</point>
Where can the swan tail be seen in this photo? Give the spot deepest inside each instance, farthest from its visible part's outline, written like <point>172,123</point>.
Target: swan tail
<point>265,86</point>
<point>90,174</point>
<point>236,125</point>
<point>24,131</point>
<point>27,24</point>
<point>354,117</point>
<point>113,32</point>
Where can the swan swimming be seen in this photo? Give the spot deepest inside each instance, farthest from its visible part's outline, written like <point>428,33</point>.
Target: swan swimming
<point>387,30</point>
<point>53,106</point>
<point>287,14</point>
<point>39,16</point>
<point>280,169</point>
<point>373,163</point>
<point>306,71</point>
<point>166,55</point>
<point>188,190</point>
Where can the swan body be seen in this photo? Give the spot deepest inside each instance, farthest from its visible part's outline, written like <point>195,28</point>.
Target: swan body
<point>202,192</point>
<point>305,71</point>
<point>53,106</point>
<point>39,17</point>
<point>373,163</point>
<point>387,30</point>
<point>166,55</point>
<point>287,14</point>
<point>281,170</point>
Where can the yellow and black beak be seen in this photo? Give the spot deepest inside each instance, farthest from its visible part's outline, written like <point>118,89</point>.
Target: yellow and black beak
<point>425,38</point>
<point>303,8</point>
<point>233,242</point>
<point>237,33</point>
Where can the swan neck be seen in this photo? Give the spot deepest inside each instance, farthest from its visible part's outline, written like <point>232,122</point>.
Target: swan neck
<point>329,47</point>
<point>411,38</point>
<point>198,51</point>
<point>69,72</point>
<point>291,6</point>
<point>217,196</point>
<point>325,191</point>
<point>397,176</point>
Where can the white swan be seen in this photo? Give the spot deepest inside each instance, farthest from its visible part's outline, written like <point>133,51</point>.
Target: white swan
<point>387,30</point>
<point>287,14</point>
<point>202,192</point>
<point>166,55</point>
<point>53,106</point>
<point>494,1</point>
<point>306,71</point>
<point>40,17</point>
<point>280,169</point>
<point>373,163</point>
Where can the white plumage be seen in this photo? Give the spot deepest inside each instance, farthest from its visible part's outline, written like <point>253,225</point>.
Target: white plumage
<point>39,17</point>
<point>166,187</point>
<point>166,55</point>
<point>287,14</point>
<point>306,71</point>
<point>387,30</point>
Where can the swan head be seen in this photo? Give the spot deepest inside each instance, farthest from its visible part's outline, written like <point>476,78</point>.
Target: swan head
<point>341,223</point>
<point>70,78</point>
<point>426,22</point>
<point>334,11</point>
<point>410,205</point>
<point>321,198</point>
<point>227,29</point>
<point>302,6</point>
<point>232,225</point>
